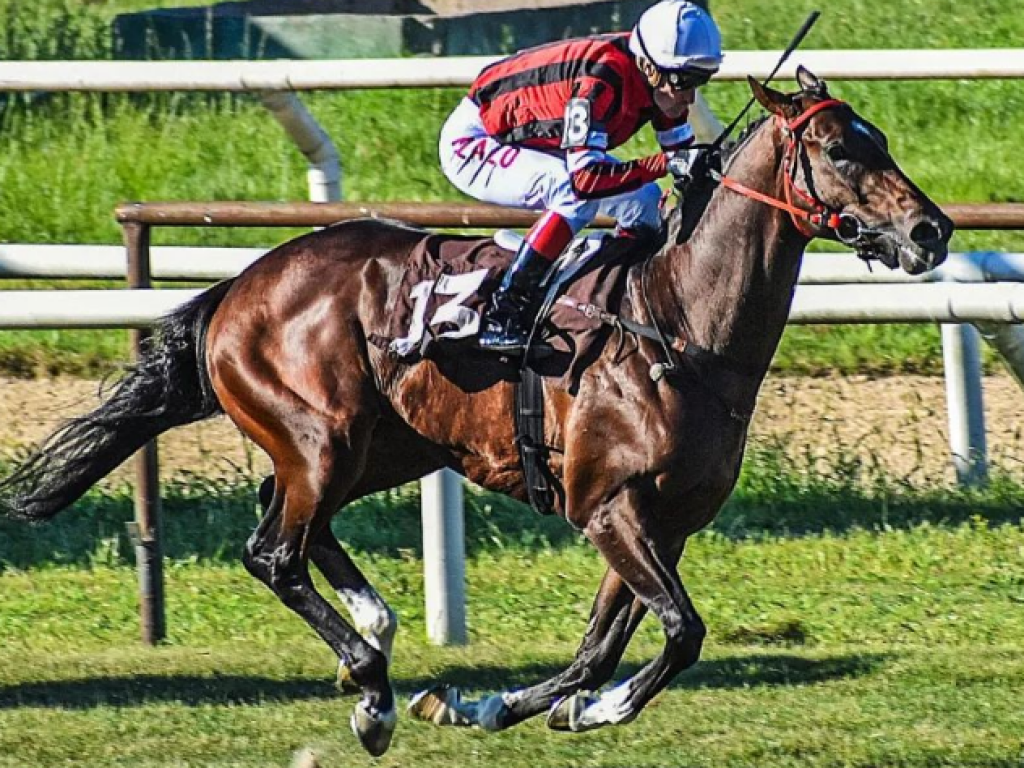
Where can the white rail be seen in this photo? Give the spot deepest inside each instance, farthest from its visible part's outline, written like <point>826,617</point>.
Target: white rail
<point>296,75</point>
<point>844,268</point>
<point>108,262</point>
<point>199,263</point>
<point>916,303</point>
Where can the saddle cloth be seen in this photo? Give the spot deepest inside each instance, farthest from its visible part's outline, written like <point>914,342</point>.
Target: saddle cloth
<point>449,279</point>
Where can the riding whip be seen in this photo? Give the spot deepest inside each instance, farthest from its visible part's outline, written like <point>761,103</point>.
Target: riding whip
<point>793,45</point>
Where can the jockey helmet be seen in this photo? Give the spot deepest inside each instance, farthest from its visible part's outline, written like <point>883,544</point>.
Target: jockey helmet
<point>681,40</point>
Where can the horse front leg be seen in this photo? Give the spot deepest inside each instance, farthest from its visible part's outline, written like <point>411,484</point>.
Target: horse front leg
<point>648,565</point>
<point>614,618</point>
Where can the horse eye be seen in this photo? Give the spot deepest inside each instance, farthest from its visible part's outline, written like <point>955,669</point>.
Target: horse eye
<point>837,152</point>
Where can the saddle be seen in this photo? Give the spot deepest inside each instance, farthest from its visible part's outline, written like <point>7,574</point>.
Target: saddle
<point>446,288</point>
<point>449,280</point>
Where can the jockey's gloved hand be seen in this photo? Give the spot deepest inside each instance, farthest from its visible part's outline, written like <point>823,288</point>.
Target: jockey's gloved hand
<point>693,166</point>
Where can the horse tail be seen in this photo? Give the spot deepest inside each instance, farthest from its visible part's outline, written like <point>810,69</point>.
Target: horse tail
<point>168,387</point>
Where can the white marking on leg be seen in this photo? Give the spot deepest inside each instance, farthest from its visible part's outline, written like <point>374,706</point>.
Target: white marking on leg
<point>611,708</point>
<point>373,618</point>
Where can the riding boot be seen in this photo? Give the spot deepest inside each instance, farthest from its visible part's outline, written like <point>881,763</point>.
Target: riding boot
<point>510,315</point>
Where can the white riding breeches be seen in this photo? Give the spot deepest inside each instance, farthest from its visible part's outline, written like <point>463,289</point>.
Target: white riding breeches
<point>520,177</point>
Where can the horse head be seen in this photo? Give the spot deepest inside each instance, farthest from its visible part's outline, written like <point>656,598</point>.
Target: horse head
<point>839,172</point>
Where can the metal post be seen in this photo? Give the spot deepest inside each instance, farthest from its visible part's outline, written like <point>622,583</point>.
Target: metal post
<point>146,529</point>
<point>324,175</point>
<point>962,360</point>
<point>444,558</point>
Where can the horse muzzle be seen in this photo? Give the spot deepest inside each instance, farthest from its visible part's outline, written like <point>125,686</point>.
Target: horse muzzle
<point>919,248</point>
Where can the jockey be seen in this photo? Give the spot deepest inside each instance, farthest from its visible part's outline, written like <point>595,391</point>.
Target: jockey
<point>536,127</point>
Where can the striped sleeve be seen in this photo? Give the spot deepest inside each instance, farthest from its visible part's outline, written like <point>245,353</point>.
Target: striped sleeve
<point>595,175</point>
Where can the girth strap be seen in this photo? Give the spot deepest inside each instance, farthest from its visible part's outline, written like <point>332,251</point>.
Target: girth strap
<point>707,362</point>
<point>533,451</point>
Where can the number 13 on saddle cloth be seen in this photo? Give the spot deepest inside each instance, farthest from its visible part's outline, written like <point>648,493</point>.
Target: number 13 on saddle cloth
<point>448,280</point>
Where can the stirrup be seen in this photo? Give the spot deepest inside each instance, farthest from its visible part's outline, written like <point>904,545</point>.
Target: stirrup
<point>539,350</point>
<point>503,341</point>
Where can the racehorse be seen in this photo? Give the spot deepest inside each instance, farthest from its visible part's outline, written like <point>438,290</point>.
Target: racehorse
<point>647,449</point>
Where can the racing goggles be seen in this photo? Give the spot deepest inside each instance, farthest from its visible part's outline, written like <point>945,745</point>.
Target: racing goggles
<point>681,79</point>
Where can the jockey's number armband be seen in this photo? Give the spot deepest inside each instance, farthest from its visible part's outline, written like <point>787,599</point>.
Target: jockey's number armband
<point>576,129</point>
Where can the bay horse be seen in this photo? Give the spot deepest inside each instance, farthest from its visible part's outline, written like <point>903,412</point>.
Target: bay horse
<point>645,460</point>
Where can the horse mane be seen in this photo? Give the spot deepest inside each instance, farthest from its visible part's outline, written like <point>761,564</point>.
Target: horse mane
<point>683,220</point>
<point>734,147</point>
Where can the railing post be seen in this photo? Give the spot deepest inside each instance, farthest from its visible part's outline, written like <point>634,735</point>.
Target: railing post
<point>324,175</point>
<point>444,560</point>
<point>961,357</point>
<point>146,529</point>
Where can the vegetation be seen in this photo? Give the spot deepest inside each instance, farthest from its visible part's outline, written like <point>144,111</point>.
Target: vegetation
<point>66,160</point>
<point>207,517</point>
<point>896,646</point>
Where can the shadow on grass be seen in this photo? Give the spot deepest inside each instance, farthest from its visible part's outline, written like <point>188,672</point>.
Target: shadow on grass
<point>138,690</point>
<point>210,519</point>
<point>759,669</point>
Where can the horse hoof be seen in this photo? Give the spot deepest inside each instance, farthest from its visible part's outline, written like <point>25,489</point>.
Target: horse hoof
<point>440,705</point>
<point>344,682</point>
<point>373,729</point>
<point>567,713</point>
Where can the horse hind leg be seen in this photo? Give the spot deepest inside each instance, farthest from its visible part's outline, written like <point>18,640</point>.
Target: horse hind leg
<point>373,617</point>
<point>311,482</point>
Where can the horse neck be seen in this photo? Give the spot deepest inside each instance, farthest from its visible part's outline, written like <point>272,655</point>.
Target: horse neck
<point>729,288</point>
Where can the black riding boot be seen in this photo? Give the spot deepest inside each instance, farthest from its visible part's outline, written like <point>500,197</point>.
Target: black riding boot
<point>509,318</point>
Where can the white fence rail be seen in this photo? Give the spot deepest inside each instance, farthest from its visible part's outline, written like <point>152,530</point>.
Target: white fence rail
<point>96,262</point>
<point>889,303</point>
<point>295,75</point>
<point>201,263</point>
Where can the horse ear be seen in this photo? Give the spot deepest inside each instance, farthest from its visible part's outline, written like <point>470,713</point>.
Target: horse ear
<point>774,101</point>
<point>811,83</point>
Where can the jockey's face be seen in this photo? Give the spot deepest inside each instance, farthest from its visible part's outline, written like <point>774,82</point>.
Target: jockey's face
<point>673,102</point>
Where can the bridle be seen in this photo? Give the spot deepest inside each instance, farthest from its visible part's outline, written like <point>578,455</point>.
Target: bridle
<point>809,221</point>
<point>813,215</point>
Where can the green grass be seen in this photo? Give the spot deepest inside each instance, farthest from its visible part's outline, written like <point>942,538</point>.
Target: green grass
<point>864,649</point>
<point>66,160</point>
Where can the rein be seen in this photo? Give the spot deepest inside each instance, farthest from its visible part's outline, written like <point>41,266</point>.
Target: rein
<point>848,228</point>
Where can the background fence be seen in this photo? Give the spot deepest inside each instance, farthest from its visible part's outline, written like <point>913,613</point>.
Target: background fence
<point>275,81</point>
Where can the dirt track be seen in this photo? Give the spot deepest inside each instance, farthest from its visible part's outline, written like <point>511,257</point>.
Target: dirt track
<point>898,422</point>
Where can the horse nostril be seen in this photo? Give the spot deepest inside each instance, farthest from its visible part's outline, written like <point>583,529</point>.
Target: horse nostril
<point>926,232</point>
